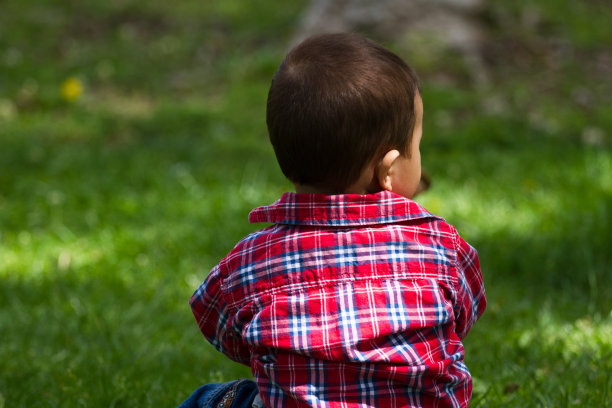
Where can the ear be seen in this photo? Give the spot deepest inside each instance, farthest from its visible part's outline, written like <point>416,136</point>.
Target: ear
<point>383,170</point>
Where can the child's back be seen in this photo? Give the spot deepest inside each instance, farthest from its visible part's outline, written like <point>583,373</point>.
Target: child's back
<point>356,298</point>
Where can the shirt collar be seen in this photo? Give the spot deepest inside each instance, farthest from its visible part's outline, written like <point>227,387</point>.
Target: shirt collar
<point>340,210</point>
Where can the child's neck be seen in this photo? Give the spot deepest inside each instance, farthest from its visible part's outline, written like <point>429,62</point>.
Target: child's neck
<point>365,184</point>
<point>308,189</point>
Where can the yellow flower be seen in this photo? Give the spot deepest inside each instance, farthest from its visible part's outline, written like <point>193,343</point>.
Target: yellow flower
<point>71,89</point>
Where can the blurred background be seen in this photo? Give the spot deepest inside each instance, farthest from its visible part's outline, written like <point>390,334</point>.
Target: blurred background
<point>133,145</point>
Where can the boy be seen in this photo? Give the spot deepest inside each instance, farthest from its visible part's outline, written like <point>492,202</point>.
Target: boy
<point>356,295</point>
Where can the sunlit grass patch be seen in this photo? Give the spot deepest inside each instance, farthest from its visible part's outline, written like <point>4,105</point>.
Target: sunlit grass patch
<point>544,360</point>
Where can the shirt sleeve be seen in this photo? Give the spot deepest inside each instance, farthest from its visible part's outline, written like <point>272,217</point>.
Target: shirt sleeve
<point>471,299</point>
<point>215,318</point>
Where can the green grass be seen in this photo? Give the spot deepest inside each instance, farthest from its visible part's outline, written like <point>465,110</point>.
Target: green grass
<point>114,207</point>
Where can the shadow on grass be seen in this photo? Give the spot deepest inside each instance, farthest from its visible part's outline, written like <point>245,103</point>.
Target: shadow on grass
<point>103,334</point>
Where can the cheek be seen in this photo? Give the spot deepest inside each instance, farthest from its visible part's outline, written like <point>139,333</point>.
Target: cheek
<point>417,169</point>
<point>417,163</point>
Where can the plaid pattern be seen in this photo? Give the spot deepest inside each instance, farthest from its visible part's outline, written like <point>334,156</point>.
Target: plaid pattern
<point>347,300</point>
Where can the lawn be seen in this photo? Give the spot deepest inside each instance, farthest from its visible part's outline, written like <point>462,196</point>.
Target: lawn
<point>133,145</point>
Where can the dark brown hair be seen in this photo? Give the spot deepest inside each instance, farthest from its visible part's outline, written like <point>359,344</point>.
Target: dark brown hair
<point>337,102</point>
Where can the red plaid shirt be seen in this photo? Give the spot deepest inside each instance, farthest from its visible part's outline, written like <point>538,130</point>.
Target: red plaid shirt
<point>346,301</point>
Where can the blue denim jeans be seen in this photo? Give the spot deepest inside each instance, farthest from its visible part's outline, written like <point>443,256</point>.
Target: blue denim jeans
<point>233,394</point>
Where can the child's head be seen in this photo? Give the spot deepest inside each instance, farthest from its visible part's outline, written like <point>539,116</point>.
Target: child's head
<point>337,106</point>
